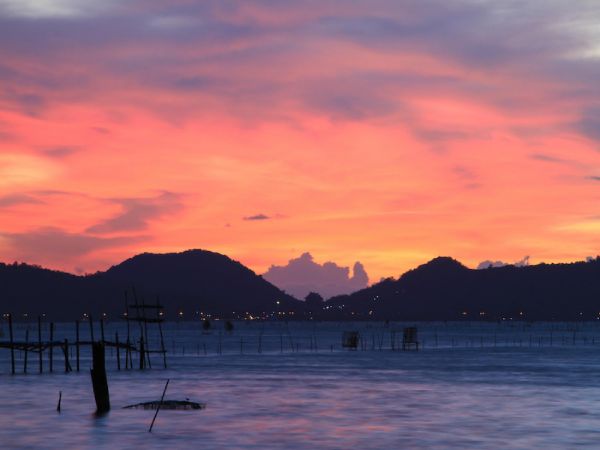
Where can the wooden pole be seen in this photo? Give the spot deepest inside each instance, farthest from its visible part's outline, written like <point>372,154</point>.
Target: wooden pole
<point>127,350</point>
<point>99,381</point>
<point>77,342</point>
<point>162,340</point>
<point>66,350</point>
<point>51,349</point>
<point>159,405</point>
<point>142,352</point>
<point>26,350</point>
<point>127,355</point>
<point>118,351</point>
<point>40,344</point>
<point>91,329</point>
<point>12,344</point>
<point>130,356</point>
<point>146,332</point>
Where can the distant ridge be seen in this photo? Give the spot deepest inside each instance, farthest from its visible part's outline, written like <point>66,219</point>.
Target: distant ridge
<point>188,282</point>
<point>444,289</point>
<point>202,281</point>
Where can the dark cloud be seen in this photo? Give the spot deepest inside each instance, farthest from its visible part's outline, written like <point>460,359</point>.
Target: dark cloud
<point>5,136</point>
<point>594,178</point>
<point>589,124</point>
<point>29,103</point>
<point>205,45</point>
<point>257,217</point>
<point>467,176</point>
<point>464,173</point>
<point>60,152</point>
<point>18,199</point>
<point>138,212</point>
<point>101,130</point>
<point>302,275</point>
<point>46,244</point>
<point>549,158</point>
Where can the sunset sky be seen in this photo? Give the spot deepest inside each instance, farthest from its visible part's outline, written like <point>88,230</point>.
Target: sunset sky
<point>386,132</point>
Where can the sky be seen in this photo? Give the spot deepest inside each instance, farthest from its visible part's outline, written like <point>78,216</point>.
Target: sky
<point>387,132</point>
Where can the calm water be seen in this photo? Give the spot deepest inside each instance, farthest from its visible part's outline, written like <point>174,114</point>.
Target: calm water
<point>472,386</point>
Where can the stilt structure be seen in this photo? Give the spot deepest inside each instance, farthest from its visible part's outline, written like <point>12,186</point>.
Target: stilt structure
<point>143,316</point>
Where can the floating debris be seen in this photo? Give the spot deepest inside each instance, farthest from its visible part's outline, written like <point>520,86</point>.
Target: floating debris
<point>168,404</point>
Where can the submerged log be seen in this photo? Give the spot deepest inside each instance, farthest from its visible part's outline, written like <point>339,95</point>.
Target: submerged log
<point>168,404</point>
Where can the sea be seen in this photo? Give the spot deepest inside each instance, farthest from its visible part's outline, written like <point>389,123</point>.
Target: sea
<point>293,385</point>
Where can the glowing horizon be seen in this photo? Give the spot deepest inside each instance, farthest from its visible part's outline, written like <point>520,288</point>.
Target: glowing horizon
<point>387,133</point>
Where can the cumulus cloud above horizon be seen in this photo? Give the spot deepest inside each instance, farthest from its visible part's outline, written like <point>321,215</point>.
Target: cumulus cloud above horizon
<point>303,275</point>
<point>488,263</point>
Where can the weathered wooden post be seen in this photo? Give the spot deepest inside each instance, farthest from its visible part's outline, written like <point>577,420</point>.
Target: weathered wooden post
<point>40,343</point>
<point>142,354</point>
<point>51,349</point>
<point>77,343</point>
<point>118,351</point>
<point>127,354</point>
<point>99,381</point>
<point>145,332</point>
<point>66,350</point>
<point>158,407</point>
<point>162,340</point>
<point>91,328</point>
<point>12,344</point>
<point>102,330</point>
<point>26,349</point>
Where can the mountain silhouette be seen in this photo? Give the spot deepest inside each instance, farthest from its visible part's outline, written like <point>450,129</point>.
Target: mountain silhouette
<point>201,281</point>
<point>444,289</point>
<point>188,282</point>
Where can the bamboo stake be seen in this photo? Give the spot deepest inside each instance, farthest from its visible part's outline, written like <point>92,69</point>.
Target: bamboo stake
<point>159,406</point>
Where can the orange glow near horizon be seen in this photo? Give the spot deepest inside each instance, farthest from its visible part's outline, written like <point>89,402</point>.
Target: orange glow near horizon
<point>353,151</point>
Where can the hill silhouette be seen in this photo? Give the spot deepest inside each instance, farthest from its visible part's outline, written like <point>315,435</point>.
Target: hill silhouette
<point>190,282</point>
<point>199,280</point>
<point>444,289</point>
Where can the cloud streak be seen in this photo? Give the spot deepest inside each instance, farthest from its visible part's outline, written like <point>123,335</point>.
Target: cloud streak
<point>257,217</point>
<point>44,244</point>
<point>137,213</point>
